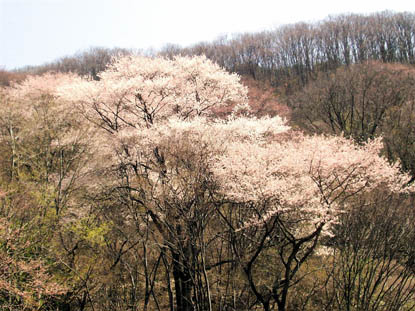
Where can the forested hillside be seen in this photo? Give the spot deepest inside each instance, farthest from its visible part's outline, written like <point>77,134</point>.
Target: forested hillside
<point>263,171</point>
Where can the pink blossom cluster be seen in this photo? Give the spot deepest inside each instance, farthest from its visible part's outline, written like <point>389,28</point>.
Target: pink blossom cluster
<point>137,91</point>
<point>37,87</point>
<point>311,176</point>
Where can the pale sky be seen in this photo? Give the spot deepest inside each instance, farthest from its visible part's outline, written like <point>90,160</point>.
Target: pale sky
<point>33,32</point>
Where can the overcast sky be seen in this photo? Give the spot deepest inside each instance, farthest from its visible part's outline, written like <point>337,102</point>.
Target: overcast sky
<point>33,32</point>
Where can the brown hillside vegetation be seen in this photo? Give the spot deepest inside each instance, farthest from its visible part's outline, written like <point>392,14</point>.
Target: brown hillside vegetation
<point>6,77</point>
<point>263,98</point>
<point>292,55</point>
<point>363,101</point>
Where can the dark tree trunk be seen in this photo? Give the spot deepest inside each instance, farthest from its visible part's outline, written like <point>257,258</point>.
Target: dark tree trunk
<point>183,284</point>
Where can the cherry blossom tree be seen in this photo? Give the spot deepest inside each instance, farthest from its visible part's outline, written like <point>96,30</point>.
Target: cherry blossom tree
<point>153,112</point>
<point>288,193</point>
<point>273,188</point>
